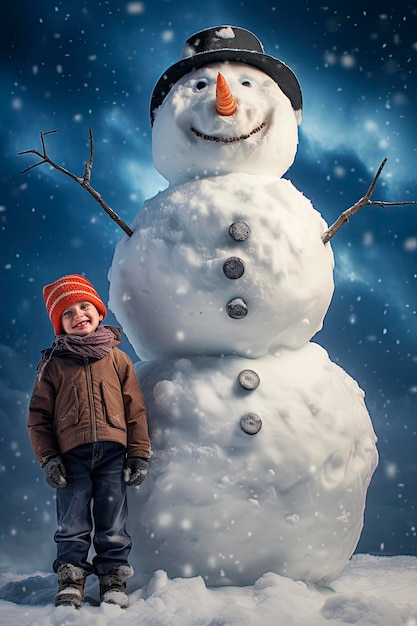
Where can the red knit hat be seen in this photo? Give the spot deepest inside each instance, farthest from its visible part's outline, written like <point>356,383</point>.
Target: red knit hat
<point>65,292</point>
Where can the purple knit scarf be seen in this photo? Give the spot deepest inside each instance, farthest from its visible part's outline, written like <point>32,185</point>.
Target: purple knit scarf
<point>95,345</point>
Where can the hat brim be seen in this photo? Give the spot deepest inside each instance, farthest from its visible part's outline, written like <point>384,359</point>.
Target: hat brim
<point>276,69</point>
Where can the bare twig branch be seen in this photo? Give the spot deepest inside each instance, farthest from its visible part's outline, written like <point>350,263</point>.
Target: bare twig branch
<point>364,201</point>
<point>84,181</point>
<point>89,163</point>
<point>375,180</point>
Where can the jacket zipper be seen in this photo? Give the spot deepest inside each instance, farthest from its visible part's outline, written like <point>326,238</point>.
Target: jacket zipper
<point>90,397</point>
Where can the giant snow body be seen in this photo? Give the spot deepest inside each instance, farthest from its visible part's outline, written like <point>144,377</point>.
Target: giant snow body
<point>263,448</point>
<point>168,286</point>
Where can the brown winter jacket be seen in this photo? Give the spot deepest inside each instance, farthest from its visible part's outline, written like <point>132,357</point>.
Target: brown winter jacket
<point>78,400</point>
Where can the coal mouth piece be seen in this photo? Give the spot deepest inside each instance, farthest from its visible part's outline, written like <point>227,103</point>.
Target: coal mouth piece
<point>227,139</point>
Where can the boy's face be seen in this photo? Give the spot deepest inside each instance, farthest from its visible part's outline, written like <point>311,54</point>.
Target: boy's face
<point>81,318</point>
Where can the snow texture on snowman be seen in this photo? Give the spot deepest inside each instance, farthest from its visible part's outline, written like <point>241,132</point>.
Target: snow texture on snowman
<point>263,448</point>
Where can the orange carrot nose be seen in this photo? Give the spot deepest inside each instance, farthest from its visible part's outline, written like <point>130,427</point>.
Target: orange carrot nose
<point>225,102</point>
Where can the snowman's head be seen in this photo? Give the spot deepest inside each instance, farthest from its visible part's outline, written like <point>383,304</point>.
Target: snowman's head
<point>190,139</point>
<point>193,138</point>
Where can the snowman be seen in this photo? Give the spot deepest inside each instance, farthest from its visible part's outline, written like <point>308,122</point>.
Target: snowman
<point>263,448</point>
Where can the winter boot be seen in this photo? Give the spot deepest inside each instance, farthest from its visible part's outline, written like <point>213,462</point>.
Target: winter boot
<point>71,582</point>
<point>113,586</point>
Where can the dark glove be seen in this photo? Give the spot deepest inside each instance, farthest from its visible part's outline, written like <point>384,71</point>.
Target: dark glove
<point>135,470</point>
<point>55,472</point>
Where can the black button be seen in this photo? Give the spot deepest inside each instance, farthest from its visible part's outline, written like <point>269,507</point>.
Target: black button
<point>239,230</point>
<point>250,423</point>
<point>233,267</point>
<point>248,379</point>
<point>237,308</point>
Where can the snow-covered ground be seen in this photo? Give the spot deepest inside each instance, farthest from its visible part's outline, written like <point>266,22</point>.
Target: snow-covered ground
<point>371,591</point>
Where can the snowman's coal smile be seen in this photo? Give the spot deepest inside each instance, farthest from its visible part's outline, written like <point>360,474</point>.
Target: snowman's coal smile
<point>227,139</point>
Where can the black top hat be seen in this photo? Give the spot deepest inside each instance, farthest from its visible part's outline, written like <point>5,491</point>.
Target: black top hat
<point>226,43</point>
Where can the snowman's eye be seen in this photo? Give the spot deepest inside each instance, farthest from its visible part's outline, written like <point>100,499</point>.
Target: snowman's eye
<point>246,82</point>
<point>201,83</point>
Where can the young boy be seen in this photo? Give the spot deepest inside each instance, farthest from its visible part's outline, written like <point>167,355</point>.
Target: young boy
<point>88,428</point>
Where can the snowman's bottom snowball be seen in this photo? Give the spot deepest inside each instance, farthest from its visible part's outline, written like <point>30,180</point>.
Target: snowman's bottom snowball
<point>230,506</point>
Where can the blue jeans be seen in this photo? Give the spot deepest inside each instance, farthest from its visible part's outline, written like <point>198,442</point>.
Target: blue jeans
<point>94,501</point>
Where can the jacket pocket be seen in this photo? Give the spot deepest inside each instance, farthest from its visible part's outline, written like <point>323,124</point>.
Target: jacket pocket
<point>113,408</point>
<point>68,409</point>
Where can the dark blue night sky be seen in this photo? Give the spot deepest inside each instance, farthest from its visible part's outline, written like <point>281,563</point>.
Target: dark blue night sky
<point>72,65</point>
